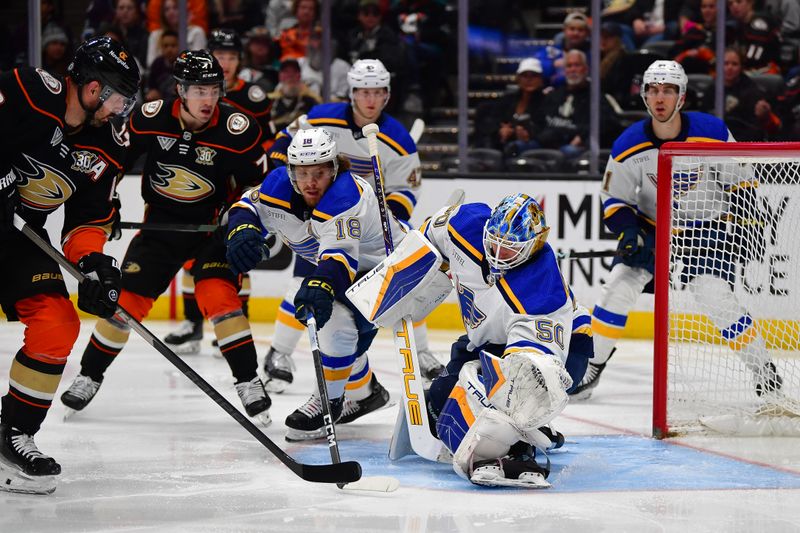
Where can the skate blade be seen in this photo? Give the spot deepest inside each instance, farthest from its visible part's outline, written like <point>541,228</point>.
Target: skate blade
<point>298,435</point>
<point>187,348</point>
<point>581,396</point>
<point>263,419</point>
<point>492,477</point>
<point>14,480</point>
<point>278,386</point>
<point>69,412</point>
<point>374,484</point>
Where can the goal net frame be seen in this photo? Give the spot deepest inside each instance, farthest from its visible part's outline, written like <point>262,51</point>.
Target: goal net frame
<point>664,210</point>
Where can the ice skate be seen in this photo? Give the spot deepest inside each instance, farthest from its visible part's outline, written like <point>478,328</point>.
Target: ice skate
<point>305,423</point>
<point>517,469</point>
<point>23,468</point>
<point>429,365</point>
<point>354,409</point>
<point>79,394</point>
<point>278,368</point>
<point>186,339</point>
<point>255,400</point>
<point>768,381</point>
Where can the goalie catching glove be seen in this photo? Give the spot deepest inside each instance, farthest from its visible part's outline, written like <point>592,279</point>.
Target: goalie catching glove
<point>99,291</point>
<point>316,293</point>
<point>246,248</point>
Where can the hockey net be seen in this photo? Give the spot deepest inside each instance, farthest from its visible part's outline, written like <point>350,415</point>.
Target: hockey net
<point>727,293</point>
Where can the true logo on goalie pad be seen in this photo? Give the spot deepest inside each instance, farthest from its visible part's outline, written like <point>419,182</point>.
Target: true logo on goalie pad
<point>412,400</point>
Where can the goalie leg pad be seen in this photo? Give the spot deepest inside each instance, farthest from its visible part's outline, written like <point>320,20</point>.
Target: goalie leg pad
<point>529,387</point>
<point>466,401</point>
<point>490,436</point>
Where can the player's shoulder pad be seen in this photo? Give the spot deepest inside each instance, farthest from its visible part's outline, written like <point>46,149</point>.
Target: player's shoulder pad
<point>255,93</point>
<point>704,127</point>
<point>236,131</point>
<point>330,114</point>
<point>536,287</point>
<point>154,117</point>
<point>39,89</point>
<point>465,229</point>
<point>275,191</point>
<point>632,141</point>
<point>343,194</point>
<point>396,136</point>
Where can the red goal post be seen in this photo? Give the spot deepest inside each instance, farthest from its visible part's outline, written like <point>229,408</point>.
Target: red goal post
<point>699,368</point>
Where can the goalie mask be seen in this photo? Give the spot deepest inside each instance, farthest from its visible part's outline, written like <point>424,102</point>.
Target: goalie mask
<point>661,73</point>
<point>515,231</point>
<point>311,147</point>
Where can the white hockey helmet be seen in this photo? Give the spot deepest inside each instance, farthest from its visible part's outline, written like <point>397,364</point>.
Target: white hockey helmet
<point>368,74</point>
<point>661,72</point>
<point>311,147</point>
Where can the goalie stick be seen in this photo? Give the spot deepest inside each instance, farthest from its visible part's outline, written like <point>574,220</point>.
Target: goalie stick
<point>422,440</point>
<point>327,473</point>
<point>376,484</point>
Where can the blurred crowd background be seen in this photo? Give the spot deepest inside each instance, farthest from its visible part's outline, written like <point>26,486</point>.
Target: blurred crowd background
<point>529,63</point>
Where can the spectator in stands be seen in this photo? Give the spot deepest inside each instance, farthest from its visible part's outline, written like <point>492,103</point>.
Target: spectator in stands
<point>575,35</point>
<point>259,59</point>
<point>291,98</point>
<point>56,54</point>
<point>371,39</point>
<point>159,83</point>
<point>695,50</point>
<point>311,68</point>
<point>754,33</point>
<point>128,17</point>
<point>747,113</point>
<point>51,21</point>
<point>562,122</point>
<point>198,14</point>
<point>507,124</point>
<point>279,16</point>
<point>613,78</point>
<point>787,14</point>
<point>293,41</point>
<point>195,35</point>
<point>239,15</point>
<point>788,110</point>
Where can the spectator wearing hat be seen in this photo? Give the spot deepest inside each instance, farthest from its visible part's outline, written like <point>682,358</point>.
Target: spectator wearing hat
<point>260,64</point>
<point>55,50</point>
<point>507,124</point>
<point>291,98</point>
<point>613,78</point>
<point>372,39</point>
<point>311,68</point>
<point>575,35</point>
<point>293,41</point>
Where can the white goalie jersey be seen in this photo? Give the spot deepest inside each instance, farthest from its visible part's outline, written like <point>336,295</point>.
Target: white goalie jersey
<point>528,308</point>
<point>344,227</point>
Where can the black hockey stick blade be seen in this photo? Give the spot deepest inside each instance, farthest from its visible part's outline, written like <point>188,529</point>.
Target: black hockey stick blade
<point>587,255</point>
<point>158,226</point>
<point>328,473</point>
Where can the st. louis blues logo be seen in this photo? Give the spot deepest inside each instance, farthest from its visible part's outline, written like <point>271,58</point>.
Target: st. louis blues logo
<point>470,314</point>
<point>684,181</point>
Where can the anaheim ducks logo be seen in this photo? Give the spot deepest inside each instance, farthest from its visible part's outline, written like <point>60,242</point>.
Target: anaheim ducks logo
<point>181,184</point>
<point>42,187</point>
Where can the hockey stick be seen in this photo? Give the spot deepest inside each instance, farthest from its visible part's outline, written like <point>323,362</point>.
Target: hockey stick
<point>157,226</point>
<point>417,129</point>
<point>587,255</point>
<point>378,484</point>
<point>422,440</point>
<point>328,473</point>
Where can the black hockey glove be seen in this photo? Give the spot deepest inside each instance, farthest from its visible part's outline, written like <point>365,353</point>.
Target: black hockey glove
<point>632,249</point>
<point>316,293</point>
<point>9,199</point>
<point>245,248</point>
<point>99,290</point>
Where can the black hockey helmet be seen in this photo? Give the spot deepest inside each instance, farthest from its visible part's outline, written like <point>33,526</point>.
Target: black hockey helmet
<point>225,39</point>
<point>198,67</point>
<point>106,61</point>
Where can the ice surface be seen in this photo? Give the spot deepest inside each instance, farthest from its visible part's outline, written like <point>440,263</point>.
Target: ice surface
<point>153,453</point>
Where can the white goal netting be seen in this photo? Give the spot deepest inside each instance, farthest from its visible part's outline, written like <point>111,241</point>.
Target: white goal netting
<point>734,296</point>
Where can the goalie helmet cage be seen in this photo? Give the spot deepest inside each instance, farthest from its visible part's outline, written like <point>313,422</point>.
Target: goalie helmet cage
<point>743,380</point>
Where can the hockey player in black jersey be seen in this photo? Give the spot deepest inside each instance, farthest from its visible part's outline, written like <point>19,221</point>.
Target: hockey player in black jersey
<point>60,149</point>
<point>226,47</point>
<point>196,151</point>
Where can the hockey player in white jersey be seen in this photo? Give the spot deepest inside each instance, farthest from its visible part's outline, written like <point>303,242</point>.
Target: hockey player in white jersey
<point>629,202</point>
<point>330,217</point>
<point>526,339</point>
<point>369,93</point>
